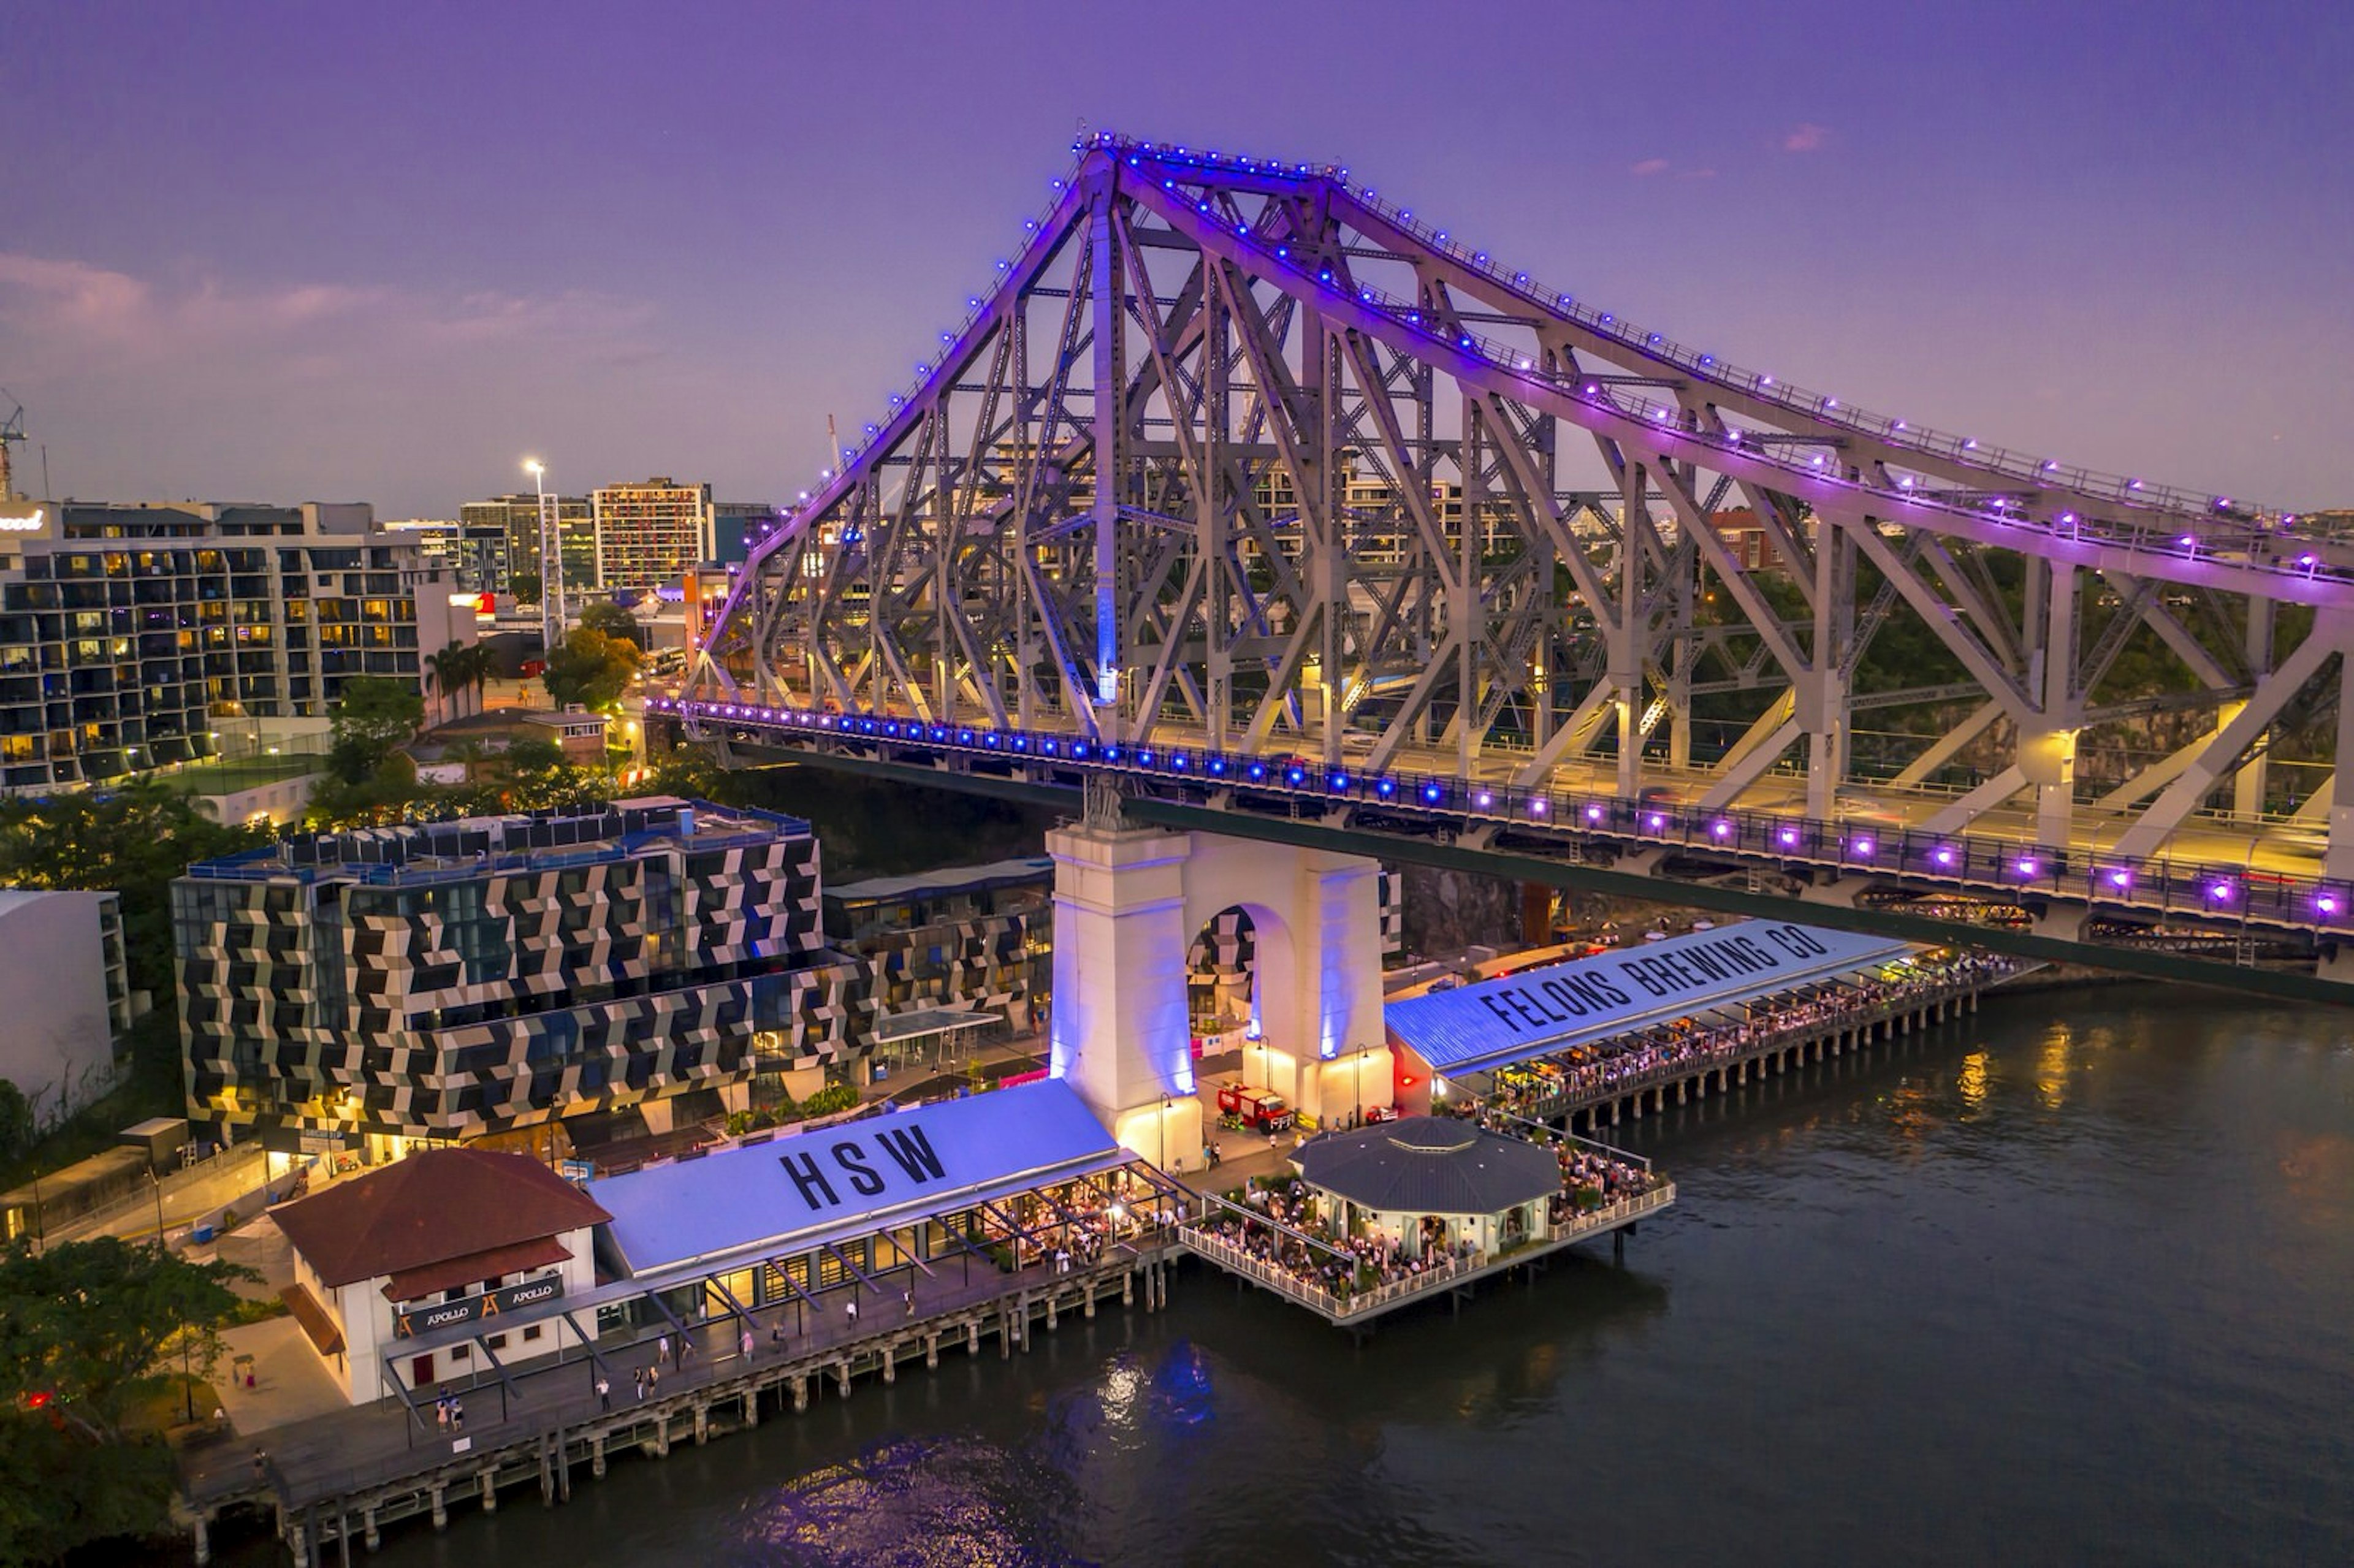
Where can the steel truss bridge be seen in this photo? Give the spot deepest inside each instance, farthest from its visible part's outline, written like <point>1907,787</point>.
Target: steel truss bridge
<point>1249,488</point>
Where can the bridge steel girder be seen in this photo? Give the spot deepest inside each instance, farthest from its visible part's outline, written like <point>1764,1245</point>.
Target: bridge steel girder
<point>1236,454</point>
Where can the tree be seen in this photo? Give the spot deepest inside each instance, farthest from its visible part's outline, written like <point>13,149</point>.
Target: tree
<point>610,618</point>
<point>374,715</point>
<point>524,586</point>
<point>590,669</point>
<point>446,671</point>
<point>17,1127</point>
<point>90,1332</point>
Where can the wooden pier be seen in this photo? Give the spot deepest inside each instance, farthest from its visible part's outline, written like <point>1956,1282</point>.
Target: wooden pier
<point>345,1477</point>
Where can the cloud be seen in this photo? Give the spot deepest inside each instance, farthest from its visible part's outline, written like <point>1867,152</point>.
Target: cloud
<point>1806,137</point>
<point>187,383</point>
<point>1648,167</point>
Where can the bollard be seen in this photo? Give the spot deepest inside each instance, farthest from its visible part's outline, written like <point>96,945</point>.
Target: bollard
<point>702,1423</point>
<point>490,1492</point>
<point>440,1510</point>
<point>597,1455</point>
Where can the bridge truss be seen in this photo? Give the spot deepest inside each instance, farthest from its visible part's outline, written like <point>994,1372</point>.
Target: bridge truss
<point>1239,458</point>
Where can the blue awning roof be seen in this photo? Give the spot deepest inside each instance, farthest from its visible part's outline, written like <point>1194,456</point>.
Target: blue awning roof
<point>767,1197</point>
<point>1516,1017</point>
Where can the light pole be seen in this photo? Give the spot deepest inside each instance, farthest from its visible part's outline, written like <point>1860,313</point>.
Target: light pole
<point>551,562</point>
<point>187,1377</point>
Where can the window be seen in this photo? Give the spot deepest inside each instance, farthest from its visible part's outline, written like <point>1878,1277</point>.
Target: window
<point>497,1343</point>
<point>531,1332</point>
<point>460,1352</point>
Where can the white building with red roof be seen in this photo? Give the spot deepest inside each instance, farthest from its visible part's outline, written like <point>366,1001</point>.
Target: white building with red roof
<point>446,1236</point>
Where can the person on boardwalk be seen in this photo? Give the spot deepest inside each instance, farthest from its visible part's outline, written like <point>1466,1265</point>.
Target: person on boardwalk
<point>850,1307</point>
<point>685,1349</point>
<point>604,1392</point>
<point>911,1303</point>
<point>260,1467</point>
<point>441,1412</point>
<point>747,1341</point>
<point>457,1414</point>
<point>653,1380</point>
<point>661,1351</point>
<point>639,1379</point>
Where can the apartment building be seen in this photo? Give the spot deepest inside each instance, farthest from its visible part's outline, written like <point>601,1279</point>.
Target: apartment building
<point>649,533</point>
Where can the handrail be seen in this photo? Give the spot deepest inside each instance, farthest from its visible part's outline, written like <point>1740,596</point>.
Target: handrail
<point>2018,868</point>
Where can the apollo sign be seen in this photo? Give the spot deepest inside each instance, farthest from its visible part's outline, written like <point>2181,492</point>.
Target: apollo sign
<point>489,1304</point>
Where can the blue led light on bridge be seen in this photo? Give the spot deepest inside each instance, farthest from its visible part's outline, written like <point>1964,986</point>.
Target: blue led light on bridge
<point>1078,748</point>
<point>1218,765</point>
<point>1432,794</point>
<point>1384,789</point>
<point>1144,760</point>
<point>1177,763</point>
<point>1258,772</point>
<point>1294,776</point>
<point>964,737</point>
<point>989,740</point>
<point>1337,783</point>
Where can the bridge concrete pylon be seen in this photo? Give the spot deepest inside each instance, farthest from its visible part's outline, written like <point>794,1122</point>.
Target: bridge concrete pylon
<point>1128,902</point>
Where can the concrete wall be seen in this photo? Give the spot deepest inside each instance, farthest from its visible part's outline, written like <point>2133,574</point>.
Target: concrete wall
<point>366,1319</point>
<point>57,1039</point>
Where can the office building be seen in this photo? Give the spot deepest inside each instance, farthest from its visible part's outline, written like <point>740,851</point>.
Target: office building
<point>474,554</point>
<point>650,534</point>
<point>129,632</point>
<point>491,975</point>
<point>739,526</point>
<point>517,519</point>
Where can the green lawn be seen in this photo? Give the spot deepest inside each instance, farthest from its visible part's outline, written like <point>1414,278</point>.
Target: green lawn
<point>223,777</point>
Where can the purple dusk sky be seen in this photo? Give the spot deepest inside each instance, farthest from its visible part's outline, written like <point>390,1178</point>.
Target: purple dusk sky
<point>380,252</point>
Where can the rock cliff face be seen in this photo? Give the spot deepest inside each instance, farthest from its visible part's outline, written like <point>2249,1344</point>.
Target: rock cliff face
<point>1448,911</point>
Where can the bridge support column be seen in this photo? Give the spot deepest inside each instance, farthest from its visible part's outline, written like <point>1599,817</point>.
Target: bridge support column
<point>440,1498</point>
<point>490,1491</point>
<point>597,1455</point>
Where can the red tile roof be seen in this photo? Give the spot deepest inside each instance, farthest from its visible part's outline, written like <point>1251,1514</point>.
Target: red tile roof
<point>412,1284</point>
<point>434,1207</point>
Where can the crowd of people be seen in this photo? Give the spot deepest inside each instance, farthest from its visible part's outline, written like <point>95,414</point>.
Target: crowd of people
<point>1548,1085</point>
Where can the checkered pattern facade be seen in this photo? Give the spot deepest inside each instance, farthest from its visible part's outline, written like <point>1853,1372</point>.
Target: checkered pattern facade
<point>451,981</point>
<point>984,962</point>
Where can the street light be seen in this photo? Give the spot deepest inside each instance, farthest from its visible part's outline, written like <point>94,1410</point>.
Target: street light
<point>187,1377</point>
<point>551,562</point>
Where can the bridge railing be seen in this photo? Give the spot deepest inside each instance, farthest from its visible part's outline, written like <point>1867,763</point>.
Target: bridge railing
<point>2213,890</point>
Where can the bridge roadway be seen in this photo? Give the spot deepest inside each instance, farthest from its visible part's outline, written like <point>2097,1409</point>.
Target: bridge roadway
<point>2243,877</point>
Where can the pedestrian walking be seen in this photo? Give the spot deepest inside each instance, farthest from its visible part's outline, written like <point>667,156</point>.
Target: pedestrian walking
<point>911,1303</point>
<point>441,1412</point>
<point>639,1379</point>
<point>661,1351</point>
<point>747,1342</point>
<point>457,1415</point>
<point>604,1392</point>
<point>260,1467</point>
<point>653,1380</point>
<point>850,1307</point>
<point>685,1349</point>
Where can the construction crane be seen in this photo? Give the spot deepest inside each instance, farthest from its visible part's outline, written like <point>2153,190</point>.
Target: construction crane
<point>11,429</point>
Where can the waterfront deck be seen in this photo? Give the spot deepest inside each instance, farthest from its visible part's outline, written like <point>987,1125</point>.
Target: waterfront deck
<point>1451,1275</point>
<point>1586,1107</point>
<point>344,1475</point>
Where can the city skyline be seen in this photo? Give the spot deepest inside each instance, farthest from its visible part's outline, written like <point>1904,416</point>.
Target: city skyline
<point>387,259</point>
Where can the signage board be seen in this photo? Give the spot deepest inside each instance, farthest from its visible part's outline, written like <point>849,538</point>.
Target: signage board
<point>473,1308</point>
<point>1514,1017</point>
<point>315,1141</point>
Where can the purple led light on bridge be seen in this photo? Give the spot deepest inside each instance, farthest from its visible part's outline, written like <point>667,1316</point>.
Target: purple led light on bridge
<point>1484,800</point>
<point>2120,877</point>
<point>1537,807</point>
<point>1721,829</point>
<point>1593,811</point>
<point>1861,848</point>
<point>1657,822</point>
<point>2220,892</point>
<point>1944,856</point>
<point>2027,866</point>
<point>1786,837</point>
<point>2326,903</point>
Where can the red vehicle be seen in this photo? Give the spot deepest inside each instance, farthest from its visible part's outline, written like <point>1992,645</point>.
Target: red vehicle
<point>1381,1113</point>
<point>1260,1109</point>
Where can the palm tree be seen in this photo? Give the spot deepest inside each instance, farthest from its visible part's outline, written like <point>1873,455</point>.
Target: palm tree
<point>476,671</point>
<point>445,672</point>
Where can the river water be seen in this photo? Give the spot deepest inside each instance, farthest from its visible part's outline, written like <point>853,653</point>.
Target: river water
<point>2069,1282</point>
